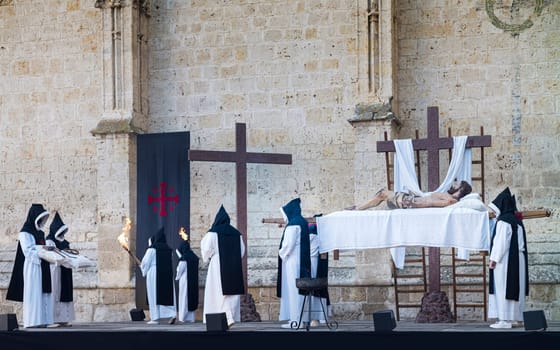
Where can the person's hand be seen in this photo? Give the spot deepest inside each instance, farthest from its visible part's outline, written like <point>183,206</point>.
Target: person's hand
<point>491,264</point>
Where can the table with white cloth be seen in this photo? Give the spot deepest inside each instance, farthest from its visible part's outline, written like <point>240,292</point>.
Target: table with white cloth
<point>461,228</point>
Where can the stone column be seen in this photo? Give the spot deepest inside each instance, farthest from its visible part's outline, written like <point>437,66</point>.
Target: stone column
<point>373,117</point>
<point>124,45</point>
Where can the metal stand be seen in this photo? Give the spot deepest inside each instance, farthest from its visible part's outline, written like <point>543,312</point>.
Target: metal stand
<point>310,285</point>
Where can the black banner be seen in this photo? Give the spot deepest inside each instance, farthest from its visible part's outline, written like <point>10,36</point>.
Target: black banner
<point>163,192</point>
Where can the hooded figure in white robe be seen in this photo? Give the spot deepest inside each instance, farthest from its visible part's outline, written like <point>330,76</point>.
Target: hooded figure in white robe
<point>508,277</point>
<point>157,267</point>
<point>61,276</point>
<point>187,275</point>
<point>30,282</point>
<point>223,248</point>
<point>294,262</point>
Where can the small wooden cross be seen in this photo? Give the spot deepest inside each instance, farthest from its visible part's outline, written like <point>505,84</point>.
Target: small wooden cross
<point>241,158</point>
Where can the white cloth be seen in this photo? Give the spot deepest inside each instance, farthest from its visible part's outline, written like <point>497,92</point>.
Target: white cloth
<point>149,270</point>
<point>63,311</point>
<point>498,306</point>
<point>184,315</point>
<point>290,300</point>
<point>214,299</point>
<point>431,227</point>
<point>406,179</point>
<point>37,306</point>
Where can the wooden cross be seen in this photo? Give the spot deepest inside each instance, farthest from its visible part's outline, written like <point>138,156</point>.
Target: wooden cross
<point>433,144</point>
<point>241,157</point>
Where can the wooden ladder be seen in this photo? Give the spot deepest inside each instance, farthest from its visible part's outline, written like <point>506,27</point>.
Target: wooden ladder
<point>470,283</point>
<point>411,280</point>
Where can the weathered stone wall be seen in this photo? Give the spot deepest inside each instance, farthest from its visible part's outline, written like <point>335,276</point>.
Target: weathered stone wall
<point>295,73</point>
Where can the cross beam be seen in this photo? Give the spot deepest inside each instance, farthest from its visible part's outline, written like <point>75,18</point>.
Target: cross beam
<point>241,158</point>
<point>433,144</point>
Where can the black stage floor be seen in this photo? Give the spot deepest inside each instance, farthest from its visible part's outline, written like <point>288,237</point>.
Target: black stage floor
<point>270,335</point>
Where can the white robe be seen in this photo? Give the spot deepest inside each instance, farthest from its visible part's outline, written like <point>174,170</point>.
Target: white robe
<point>498,306</point>
<point>149,271</point>
<point>214,299</point>
<point>184,315</point>
<point>63,310</point>
<point>290,300</point>
<point>37,306</point>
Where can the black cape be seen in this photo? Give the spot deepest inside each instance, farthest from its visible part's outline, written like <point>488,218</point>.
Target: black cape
<point>192,274</point>
<point>229,247</point>
<point>15,287</point>
<point>59,229</point>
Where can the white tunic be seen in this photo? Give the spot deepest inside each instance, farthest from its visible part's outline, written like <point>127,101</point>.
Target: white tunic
<point>214,300</point>
<point>498,306</point>
<point>63,311</point>
<point>290,301</point>
<point>184,314</point>
<point>149,271</point>
<point>37,306</point>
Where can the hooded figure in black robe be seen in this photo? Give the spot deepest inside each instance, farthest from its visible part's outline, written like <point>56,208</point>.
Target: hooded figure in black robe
<point>223,248</point>
<point>63,287</point>
<point>294,261</point>
<point>509,275</point>
<point>24,286</point>
<point>187,275</point>
<point>157,267</point>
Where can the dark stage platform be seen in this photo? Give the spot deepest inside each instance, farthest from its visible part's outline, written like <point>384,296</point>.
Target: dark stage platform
<point>270,335</point>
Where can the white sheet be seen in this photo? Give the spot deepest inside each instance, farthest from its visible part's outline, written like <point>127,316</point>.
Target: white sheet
<point>456,227</point>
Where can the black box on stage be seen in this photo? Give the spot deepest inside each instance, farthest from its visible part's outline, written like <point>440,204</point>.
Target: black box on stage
<point>384,321</point>
<point>216,322</point>
<point>534,320</point>
<point>8,322</point>
<point>137,315</point>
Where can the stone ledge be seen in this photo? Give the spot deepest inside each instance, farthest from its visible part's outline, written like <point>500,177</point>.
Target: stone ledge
<point>380,111</point>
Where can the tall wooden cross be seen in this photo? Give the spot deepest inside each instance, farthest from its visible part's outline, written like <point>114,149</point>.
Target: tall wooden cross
<point>433,144</point>
<point>241,157</point>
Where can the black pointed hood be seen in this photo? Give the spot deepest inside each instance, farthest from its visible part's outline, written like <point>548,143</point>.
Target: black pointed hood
<point>503,203</point>
<point>57,231</point>
<point>34,224</point>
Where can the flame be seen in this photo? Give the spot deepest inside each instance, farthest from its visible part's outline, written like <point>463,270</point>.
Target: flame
<point>123,237</point>
<point>184,235</point>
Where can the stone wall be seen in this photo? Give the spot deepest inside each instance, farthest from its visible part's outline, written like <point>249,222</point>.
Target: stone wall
<point>297,74</point>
